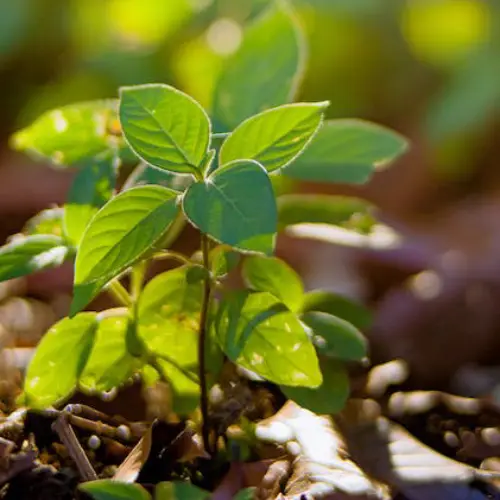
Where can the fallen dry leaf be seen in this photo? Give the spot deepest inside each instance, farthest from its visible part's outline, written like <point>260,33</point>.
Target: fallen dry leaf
<point>161,444</point>
<point>362,455</point>
<point>321,468</point>
<point>386,451</point>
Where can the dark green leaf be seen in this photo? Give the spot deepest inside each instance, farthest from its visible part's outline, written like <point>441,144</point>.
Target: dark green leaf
<point>335,337</point>
<point>330,396</point>
<point>106,489</point>
<point>223,260</point>
<point>165,127</point>
<point>468,99</point>
<point>72,133</point>
<point>317,208</point>
<point>145,174</point>
<point>59,360</point>
<point>28,254</point>
<point>91,189</point>
<point>337,305</point>
<point>270,274</point>
<point>124,230</point>
<point>236,206</point>
<point>168,323</point>
<point>264,72</point>
<point>180,491</point>
<point>258,332</point>
<point>110,363</point>
<point>274,137</point>
<point>47,222</point>
<point>347,151</point>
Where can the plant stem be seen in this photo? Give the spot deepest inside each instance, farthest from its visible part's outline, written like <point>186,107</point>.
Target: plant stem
<point>137,279</point>
<point>205,427</point>
<point>118,291</point>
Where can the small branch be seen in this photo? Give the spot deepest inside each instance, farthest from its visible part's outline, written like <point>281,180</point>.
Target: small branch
<point>174,230</point>
<point>171,254</point>
<point>119,293</point>
<point>205,429</point>
<point>68,438</point>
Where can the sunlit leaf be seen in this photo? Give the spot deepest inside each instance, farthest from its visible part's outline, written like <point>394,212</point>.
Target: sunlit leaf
<point>28,254</point>
<point>110,364</point>
<point>223,260</point>
<point>106,489</point>
<point>72,133</point>
<point>264,72</point>
<point>335,337</point>
<point>236,206</point>
<point>317,208</point>
<point>275,137</point>
<point>144,175</point>
<point>47,222</point>
<point>168,323</point>
<point>330,396</point>
<point>258,332</point>
<point>180,491</point>
<point>92,187</point>
<point>125,229</point>
<point>59,360</point>
<point>347,151</point>
<point>165,127</point>
<point>337,305</point>
<point>84,294</point>
<point>270,274</point>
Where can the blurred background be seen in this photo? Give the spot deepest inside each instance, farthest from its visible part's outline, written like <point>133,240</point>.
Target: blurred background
<point>429,69</point>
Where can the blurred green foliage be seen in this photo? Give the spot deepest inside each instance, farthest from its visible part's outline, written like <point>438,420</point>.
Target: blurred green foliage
<point>426,65</point>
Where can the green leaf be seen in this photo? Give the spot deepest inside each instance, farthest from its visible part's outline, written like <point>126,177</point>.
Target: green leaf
<point>72,133</point>
<point>270,274</point>
<point>110,363</point>
<point>317,208</point>
<point>107,489</point>
<point>264,72</point>
<point>84,294</point>
<point>123,231</point>
<point>47,222</point>
<point>330,397</point>
<point>28,254</point>
<point>236,206</point>
<point>275,137</point>
<point>258,332</point>
<point>168,322</point>
<point>246,494</point>
<point>144,175</point>
<point>335,337</point>
<point>92,187</point>
<point>59,360</point>
<point>337,305</point>
<point>165,127</point>
<point>347,151</point>
<point>178,490</point>
<point>223,260</point>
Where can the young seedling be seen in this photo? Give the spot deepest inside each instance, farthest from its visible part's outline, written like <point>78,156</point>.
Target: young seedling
<point>218,173</point>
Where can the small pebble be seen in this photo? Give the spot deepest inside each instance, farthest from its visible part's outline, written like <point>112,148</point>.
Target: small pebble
<point>123,432</point>
<point>491,436</point>
<point>451,439</point>
<point>94,442</point>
